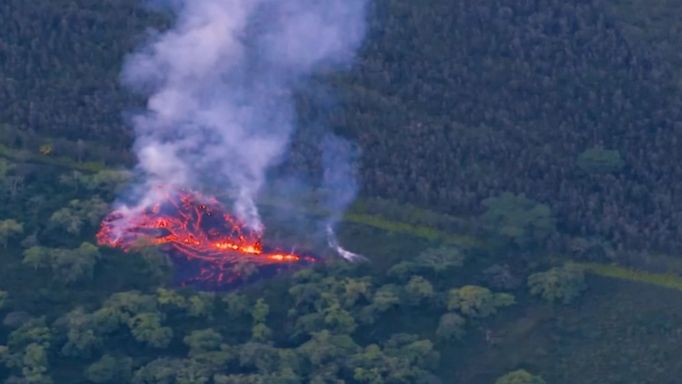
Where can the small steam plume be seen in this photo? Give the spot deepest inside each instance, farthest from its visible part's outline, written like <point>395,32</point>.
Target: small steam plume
<point>339,186</point>
<point>220,111</point>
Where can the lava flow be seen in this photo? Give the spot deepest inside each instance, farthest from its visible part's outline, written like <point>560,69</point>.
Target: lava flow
<point>198,230</point>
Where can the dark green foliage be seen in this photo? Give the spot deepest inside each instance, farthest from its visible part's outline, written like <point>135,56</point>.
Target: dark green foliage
<point>386,297</point>
<point>450,326</point>
<point>32,332</point>
<point>157,264</point>
<point>376,366</point>
<point>237,305</point>
<point>35,365</point>
<point>418,290</point>
<point>562,284</point>
<point>441,259</point>
<point>61,61</point>
<point>200,305</point>
<point>201,341</point>
<point>432,261</point>
<point>161,371</point>
<point>109,369</point>
<point>82,334</point>
<point>467,100</point>
<point>518,220</point>
<point>66,265</point>
<point>477,302</point>
<point>146,328</point>
<point>519,377</point>
<point>72,218</point>
<point>26,352</point>
<point>259,312</point>
<point>599,160</point>
<point>9,229</point>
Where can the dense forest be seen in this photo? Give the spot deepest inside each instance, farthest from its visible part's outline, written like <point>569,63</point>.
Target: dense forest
<point>451,104</point>
<point>456,102</point>
<point>506,148</point>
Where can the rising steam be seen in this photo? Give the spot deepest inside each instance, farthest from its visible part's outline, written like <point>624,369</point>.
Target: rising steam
<point>339,187</point>
<point>219,83</point>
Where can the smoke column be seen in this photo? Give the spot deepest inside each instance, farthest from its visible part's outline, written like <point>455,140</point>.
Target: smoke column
<point>219,84</point>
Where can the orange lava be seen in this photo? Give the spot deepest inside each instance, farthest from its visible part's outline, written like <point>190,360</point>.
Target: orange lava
<point>198,229</point>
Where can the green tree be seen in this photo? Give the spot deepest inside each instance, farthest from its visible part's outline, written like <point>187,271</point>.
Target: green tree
<point>78,213</point>
<point>120,307</point>
<point>237,305</point>
<point>4,354</point>
<point>338,320</point>
<point>518,220</point>
<point>325,347</point>
<point>35,365</point>
<point>260,311</point>
<point>418,290</point>
<point>37,257</point>
<point>157,263</point>
<point>160,371</point>
<point>403,270</point>
<point>432,261</point>
<point>205,340</point>
<point>242,379</point>
<point>440,259</point>
<point>73,265</point>
<point>386,297</point>
<point>3,299</point>
<point>33,331</point>
<point>356,289</point>
<point>519,377</point>
<point>562,284</point>
<point>201,305</point>
<point>110,369</point>
<point>146,328</point>
<point>170,298</point>
<point>82,339</point>
<point>67,265</point>
<point>259,356</point>
<point>5,167</point>
<point>261,333</point>
<point>478,302</point>
<point>9,229</point>
<point>412,350</point>
<point>67,219</point>
<point>106,181</point>
<point>373,365</point>
<point>450,326</point>
<point>308,323</point>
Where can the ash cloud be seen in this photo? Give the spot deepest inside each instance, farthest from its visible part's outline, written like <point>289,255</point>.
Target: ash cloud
<point>220,111</point>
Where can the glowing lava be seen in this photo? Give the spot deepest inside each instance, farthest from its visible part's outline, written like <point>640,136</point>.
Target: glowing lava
<point>197,229</point>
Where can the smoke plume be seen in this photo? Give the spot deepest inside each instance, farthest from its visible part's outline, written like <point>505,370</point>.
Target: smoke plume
<point>220,111</point>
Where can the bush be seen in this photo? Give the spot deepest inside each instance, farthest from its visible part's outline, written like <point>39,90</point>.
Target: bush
<point>519,377</point>
<point>558,284</point>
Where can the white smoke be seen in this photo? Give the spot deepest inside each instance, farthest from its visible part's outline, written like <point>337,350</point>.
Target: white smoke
<point>219,84</point>
<point>340,187</point>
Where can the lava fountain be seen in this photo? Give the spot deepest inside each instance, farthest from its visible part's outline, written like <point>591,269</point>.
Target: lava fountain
<point>212,246</point>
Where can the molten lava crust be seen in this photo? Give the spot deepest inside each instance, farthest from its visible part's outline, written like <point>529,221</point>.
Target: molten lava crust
<point>199,235</point>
